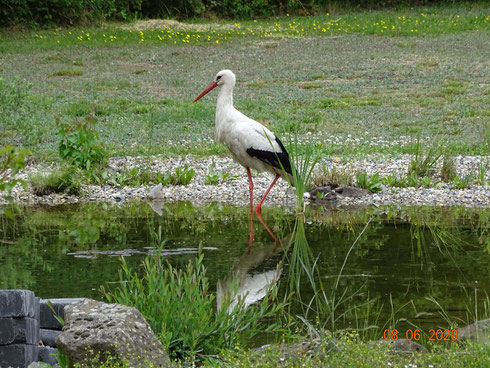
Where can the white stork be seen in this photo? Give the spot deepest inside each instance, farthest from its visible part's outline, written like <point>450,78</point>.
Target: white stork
<point>251,144</point>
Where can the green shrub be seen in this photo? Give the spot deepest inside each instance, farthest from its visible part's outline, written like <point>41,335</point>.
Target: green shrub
<point>66,12</point>
<point>78,144</point>
<point>180,308</point>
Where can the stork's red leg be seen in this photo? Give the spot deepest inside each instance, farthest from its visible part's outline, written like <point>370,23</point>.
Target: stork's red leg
<point>259,208</point>
<point>251,189</point>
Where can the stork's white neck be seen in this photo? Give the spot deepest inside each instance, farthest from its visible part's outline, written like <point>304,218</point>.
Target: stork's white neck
<point>224,108</point>
<point>225,96</point>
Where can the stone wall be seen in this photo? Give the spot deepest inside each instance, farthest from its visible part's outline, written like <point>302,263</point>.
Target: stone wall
<point>28,328</point>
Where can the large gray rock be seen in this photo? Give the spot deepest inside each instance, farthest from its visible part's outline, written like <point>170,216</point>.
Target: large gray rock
<point>95,327</point>
<point>479,331</point>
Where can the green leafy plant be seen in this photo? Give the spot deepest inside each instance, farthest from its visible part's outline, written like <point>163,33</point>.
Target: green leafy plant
<point>371,183</point>
<point>214,177</point>
<point>182,175</point>
<point>463,182</point>
<point>180,308</point>
<point>426,182</point>
<point>78,143</point>
<point>12,160</point>
<point>413,180</point>
<point>395,181</point>
<point>137,176</point>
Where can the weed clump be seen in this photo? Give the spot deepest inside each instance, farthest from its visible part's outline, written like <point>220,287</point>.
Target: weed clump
<point>448,169</point>
<point>422,165</point>
<point>333,177</point>
<point>65,180</point>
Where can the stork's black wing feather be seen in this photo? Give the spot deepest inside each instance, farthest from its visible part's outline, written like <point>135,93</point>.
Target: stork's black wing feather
<point>272,158</point>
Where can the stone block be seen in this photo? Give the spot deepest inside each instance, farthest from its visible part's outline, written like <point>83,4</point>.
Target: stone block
<point>18,355</point>
<point>37,311</point>
<point>17,303</point>
<point>48,337</point>
<point>47,354</point>
<point>47,318</point>
<point>19,331</point>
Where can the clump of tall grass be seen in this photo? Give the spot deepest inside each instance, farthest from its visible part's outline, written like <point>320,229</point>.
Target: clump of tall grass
<point>423,163</point>
<point>334,177</point>
<point>64,180</point>
<point>448,169</point>
<point>181,309</point>
<point>303,159</point>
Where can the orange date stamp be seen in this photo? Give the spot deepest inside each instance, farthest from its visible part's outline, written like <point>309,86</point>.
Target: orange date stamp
<point>415,335</point>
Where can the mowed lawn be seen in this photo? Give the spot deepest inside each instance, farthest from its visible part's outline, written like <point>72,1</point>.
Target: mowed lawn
<point>353,83</point>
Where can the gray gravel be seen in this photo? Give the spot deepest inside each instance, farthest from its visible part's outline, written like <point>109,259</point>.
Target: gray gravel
<point>235,189</point>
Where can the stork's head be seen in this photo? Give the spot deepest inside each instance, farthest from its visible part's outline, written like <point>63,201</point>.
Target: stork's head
<point>223,78</point>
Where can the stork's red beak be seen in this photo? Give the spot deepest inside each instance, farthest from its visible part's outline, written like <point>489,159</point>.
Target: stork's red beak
<point>211,86</point>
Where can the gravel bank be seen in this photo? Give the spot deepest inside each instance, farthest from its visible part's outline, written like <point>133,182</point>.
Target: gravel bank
<point>235,189</point>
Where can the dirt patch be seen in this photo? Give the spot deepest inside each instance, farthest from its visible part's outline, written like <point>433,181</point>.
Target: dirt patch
<point>149,24</point>
<point>144,25</point>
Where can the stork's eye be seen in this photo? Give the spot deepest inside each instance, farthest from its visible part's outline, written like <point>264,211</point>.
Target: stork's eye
<point>218,77</point>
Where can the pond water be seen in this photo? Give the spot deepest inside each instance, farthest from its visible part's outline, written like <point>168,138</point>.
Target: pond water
<point>386,266</point>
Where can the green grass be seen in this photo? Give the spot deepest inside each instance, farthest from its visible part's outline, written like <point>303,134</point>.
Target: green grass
<point>401,79</point>
<point>67,73</point>
<point>357,354</point>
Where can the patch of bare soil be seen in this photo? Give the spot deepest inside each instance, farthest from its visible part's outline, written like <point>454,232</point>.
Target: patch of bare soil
<point>144,25</point>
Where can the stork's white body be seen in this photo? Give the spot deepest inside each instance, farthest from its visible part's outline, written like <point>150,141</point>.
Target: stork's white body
<point>238,132</point>
<point>251,144</point>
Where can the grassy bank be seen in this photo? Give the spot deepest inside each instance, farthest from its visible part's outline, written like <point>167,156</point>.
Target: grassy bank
<point>359,83</point>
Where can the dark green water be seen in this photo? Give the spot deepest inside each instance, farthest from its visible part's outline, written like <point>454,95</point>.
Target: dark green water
<point>405,263</point>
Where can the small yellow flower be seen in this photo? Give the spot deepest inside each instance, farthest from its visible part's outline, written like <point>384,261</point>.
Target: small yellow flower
<point>217,41</point>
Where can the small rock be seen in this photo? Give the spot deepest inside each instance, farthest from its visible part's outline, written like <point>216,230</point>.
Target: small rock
<point>156,192</point>
<point>401,346</point>
<point>119,197</point>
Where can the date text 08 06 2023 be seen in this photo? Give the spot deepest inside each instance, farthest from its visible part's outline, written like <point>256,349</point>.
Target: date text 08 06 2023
<point>415,335</point>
